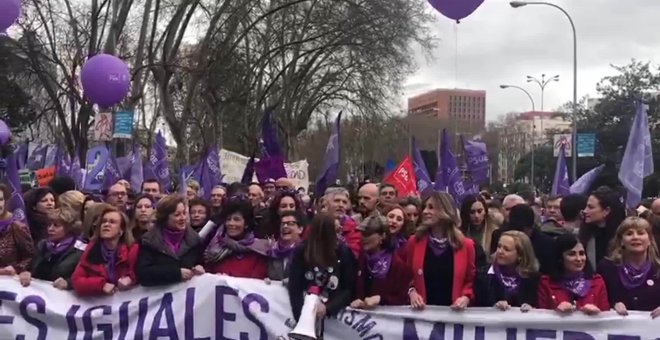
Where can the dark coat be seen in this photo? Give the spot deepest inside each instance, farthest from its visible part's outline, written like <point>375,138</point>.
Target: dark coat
<point>90,275</point>
<point>544,248</point>
<point>278,269</point>
<point>56,266</point>
<point>158,265</point>
<point>643,298</point>
<point>338,298</point>
<point>393,288</point>
<point>490,291</point>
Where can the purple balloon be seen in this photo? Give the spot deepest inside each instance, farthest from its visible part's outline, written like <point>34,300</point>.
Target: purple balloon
<point>5,133</point>
<point>10,10</point>
<point>456,9</point>
<point>105,79</point>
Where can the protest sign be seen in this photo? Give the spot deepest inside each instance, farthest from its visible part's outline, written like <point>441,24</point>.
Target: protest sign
<point>44,176</point>
<point>232,165</point>
<point>220,307</point>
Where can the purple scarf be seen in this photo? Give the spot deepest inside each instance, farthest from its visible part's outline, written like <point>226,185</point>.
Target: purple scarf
<point>223,246</point>
<point>110,258</point>
<point>577,284</point>
<point>60,247</point>
<point>507,276</point>
<point>280,251</point>
<point>632,277</point>
<point>4,224</point>
<point>173,238</point>
<point>379,263</point>
<point>399,241</point>
<point>438,245</point>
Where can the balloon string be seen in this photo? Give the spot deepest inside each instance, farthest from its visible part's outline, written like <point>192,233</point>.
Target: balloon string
<point>456,54</point>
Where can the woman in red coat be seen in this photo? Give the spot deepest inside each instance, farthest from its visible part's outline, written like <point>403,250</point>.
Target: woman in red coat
<point>108,263</point>
<point>441,258</point>
<point>572,286</point>
<point>383,276</point>
<point>234,250</point>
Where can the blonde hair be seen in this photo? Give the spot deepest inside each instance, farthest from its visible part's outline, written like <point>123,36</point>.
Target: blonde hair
<point>71,199</point>
<point>446,212</point>
<point>66,218</point>
<point>527,264</point>
<point>616,246</point>
<point>193,184</point>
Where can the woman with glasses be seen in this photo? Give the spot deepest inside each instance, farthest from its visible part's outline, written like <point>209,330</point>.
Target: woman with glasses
<point>291,228</point>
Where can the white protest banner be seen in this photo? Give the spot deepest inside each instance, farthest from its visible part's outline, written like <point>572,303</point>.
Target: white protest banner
<point>233,165</point>
<point>218,307</point>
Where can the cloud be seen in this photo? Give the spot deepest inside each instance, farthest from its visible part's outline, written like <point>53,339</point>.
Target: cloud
<point>501,45</point>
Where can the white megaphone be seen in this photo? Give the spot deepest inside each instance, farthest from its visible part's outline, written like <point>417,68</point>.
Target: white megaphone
<point>306,327</point>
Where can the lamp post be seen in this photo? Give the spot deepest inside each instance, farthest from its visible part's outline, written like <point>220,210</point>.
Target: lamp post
<point>542,84</point>
<point>516,4</point>
<point>533,127</point>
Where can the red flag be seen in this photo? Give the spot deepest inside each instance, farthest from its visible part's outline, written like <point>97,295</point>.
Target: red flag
<point>403,178</point>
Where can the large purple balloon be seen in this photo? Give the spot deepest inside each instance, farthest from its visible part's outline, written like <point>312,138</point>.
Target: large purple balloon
<point>456,9</point>
<point>4,131</point>
<point>105,79</point>
<point>10,10</point>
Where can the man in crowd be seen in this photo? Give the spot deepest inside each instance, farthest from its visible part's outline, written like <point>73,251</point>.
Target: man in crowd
<point>268,189</point>
<point>337,202</point>
<point>509,202</point>
<point>218,194</point>
<point>571,208</point>
<point>151,187</point>
<point>552,225</point>
<point>367,202</point>
<point>655,207</point>
<point>388,194</point>
<point>117,196</point>
<point>255,195</point>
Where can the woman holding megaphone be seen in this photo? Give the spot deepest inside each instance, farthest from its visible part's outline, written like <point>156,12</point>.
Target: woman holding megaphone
<point>321,278</point>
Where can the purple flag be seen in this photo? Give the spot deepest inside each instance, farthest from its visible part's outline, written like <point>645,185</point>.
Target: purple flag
<point>111,173</point>
<point>62,163</point>
<point>157,167</point>
<point>271,164</point>
<point>582,185</point>
<point>135,172</point>
<point>21,155</point>
<point>76,172</point>
<point>440,183</point>
<point>16,204</point>
<point>421,174</point>
<point>51,155</point>
<point>37,158</point>
<point>328,174</point>
<point>248,173</point>
<point>451,174</point>
<point>476,157</point>
<point>637,160</point>
<point>95,162</point>
<point>208,172</point>
<point>560,184</point>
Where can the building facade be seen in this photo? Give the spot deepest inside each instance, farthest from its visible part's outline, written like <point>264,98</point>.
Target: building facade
<point>520,133</point>
<point>456,104</point>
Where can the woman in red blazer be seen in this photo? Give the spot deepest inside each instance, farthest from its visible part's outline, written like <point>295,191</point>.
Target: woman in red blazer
<point>108,263</point>
<point>441,258</point>
<point>383,275</point>
<point>234,250</point>
<point>572,286</point>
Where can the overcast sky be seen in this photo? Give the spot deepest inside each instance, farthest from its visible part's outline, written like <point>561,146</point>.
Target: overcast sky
<point>501,45</point>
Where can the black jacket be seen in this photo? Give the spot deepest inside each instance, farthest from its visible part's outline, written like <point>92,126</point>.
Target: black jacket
<point>158,265</point>
<point>50,268</point>
<point>544,248</point>
<point>346,271</point>
<point>489,291</point>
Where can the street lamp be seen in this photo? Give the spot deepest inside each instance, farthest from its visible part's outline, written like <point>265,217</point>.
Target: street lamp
<point>516,4</point>
<point>542,84</point>
<point>533,127</point>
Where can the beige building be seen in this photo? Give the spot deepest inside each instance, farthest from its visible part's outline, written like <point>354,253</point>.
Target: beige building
<point>521,132</point>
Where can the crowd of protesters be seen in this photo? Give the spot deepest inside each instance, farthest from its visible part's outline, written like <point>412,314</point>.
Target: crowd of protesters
<point>571,254</point>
